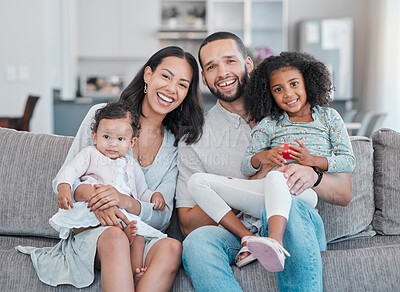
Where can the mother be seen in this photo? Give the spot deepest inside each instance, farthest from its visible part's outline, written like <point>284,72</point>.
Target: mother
<point>165,94</point>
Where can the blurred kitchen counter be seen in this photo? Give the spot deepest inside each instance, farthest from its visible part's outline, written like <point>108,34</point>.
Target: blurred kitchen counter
<point>68,114</point>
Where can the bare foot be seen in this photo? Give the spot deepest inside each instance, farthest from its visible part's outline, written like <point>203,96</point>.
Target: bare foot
<point>130,230</point>
<point>139,272</point>
<point>244,254</point>
<point>244,257</point>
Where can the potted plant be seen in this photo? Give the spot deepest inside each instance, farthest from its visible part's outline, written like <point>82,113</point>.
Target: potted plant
<point>259,54</point>
<point>170,14</point>
<point>196,16</point>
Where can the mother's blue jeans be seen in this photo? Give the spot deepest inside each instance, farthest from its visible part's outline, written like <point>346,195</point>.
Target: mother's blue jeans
<point>209,251</point>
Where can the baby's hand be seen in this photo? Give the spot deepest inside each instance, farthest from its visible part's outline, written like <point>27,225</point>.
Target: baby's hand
<point>64,197</point>
<point>301,154</point>
<point>158,200</point>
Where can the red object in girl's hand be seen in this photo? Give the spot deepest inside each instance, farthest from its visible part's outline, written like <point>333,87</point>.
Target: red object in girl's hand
<point>286,155</point>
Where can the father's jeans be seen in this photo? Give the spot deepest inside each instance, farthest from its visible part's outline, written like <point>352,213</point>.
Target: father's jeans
<point>209,251</point>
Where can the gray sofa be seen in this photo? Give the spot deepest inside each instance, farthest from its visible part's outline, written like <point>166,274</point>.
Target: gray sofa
<point>364,237</point>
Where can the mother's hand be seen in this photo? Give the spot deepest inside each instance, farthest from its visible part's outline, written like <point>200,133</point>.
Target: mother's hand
<point>105,196</point>
<point>110,216</point>
<point>299,177</point>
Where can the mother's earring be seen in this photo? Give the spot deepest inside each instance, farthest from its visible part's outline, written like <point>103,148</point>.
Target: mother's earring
<point>145,88</point>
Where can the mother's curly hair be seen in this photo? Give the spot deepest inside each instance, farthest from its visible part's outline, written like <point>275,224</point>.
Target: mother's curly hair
<point>258,100</point>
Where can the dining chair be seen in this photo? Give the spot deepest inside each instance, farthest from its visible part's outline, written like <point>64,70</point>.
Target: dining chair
<point>364,118</point>
<point>21,123</point>
<point>375,123</point>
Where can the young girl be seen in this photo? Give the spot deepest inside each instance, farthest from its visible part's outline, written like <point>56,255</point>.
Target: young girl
<point>287,95</point>
<point>115,130</point>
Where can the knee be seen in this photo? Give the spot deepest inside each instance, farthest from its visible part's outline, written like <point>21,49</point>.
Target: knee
<point>194,240</point>
<point>275,176</point>
<point>195,182</point>
<point>201,243</point>
<point>172,249</point>
<point>113,239</point>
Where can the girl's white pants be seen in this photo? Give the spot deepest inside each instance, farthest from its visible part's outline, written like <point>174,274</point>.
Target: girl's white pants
<point>216,195</point>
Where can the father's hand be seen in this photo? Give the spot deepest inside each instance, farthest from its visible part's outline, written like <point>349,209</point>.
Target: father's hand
<point>110,216</point>
<point>299,177</point>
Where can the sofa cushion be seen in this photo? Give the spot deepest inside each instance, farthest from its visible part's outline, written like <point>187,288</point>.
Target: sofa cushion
<point>363,269</point>
<point>27,170</point>
<point>344,223</point>
<point>386,143</point>
<point>371,242</point>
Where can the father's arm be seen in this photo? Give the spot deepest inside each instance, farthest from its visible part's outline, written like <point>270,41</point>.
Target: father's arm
<point>334,188</point>
<point>191,216</point>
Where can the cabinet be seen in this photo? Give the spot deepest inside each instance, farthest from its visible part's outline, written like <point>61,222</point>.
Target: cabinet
<point>261,24</point>
<point>183,15</point>
<point>117,29</point>
<point>183,23</point>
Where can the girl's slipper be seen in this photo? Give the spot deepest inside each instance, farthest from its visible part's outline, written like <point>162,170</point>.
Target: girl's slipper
<point>247,260</point>
<point>269,252</point>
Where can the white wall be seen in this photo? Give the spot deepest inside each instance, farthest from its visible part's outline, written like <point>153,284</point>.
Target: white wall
<point>358,10</point>
<point>30,39</point>
<point>28,58</point>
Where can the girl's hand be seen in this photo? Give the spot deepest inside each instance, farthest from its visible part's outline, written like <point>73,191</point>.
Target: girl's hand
<point>106,196</point>
<point>269,157</point>
<point>64,197</point>
<point>158,199</point>
<point>301,154</point>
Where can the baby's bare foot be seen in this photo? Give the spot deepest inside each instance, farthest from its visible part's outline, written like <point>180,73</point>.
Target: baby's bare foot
<point>130,231</point>
<point>139,272</point>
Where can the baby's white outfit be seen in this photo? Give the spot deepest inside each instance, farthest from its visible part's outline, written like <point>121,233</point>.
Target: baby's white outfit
<point>92,167</point>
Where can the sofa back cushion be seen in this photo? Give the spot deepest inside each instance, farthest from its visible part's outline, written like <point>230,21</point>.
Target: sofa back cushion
<point>386,145</point>
<point>353,221</point>
<point>28,164</point>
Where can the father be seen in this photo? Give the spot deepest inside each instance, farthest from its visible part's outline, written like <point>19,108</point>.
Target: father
<point>208,250</point>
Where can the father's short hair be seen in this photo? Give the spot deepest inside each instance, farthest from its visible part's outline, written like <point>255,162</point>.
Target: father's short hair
<point>223,35</point>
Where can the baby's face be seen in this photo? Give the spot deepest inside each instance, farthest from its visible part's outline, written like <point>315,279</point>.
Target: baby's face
<point>114,137</point>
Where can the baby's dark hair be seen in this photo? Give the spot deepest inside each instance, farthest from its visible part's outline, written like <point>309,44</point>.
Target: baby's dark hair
<point>258,100</point>
<point>117,110</point>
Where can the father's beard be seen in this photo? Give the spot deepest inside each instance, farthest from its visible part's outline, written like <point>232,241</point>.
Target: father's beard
<point>239,90</point>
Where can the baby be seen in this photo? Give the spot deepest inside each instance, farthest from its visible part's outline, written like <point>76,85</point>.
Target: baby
<point>115,131</point>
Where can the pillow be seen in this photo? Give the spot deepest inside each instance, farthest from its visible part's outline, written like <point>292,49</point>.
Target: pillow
<point>386,144</point>
<point>28,164</point>
<point>353,221</point>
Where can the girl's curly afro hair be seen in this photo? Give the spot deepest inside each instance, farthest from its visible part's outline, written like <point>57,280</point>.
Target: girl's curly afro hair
<point>258,100</point>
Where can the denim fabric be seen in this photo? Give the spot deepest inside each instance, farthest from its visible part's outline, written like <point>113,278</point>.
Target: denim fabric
<point>208,253</point>
<point>304,239</point>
